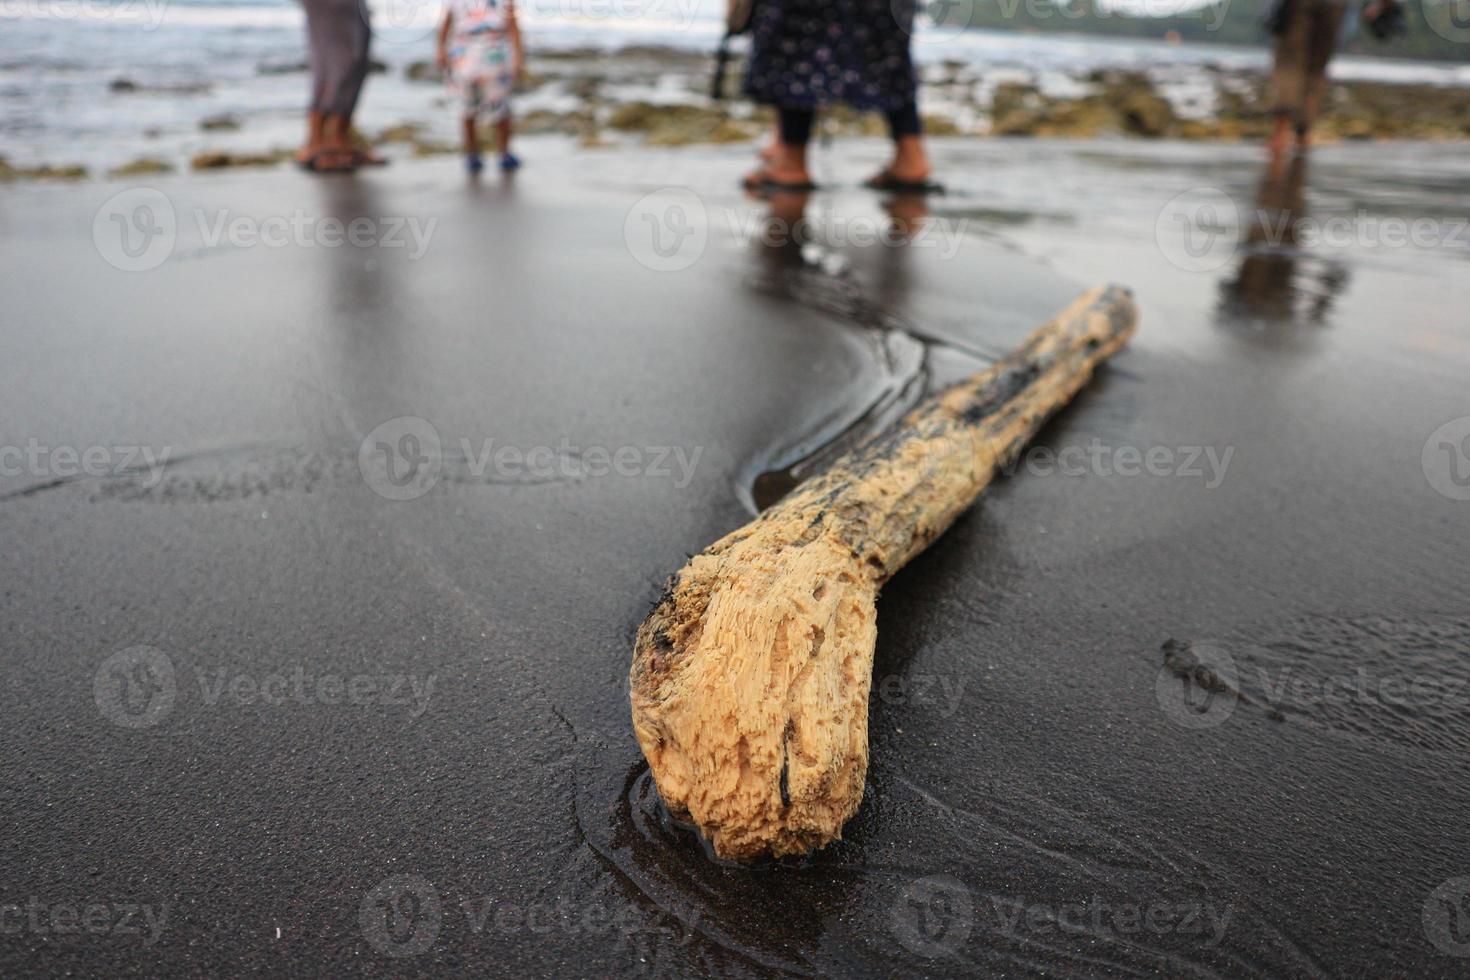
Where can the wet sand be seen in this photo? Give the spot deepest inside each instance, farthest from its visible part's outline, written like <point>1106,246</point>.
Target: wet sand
<point>1045,793</point>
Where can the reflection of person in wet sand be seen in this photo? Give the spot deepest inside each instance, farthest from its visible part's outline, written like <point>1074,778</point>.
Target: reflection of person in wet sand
<point>807,55</point>
<point>1306,37</point>
<point>1273,271</point>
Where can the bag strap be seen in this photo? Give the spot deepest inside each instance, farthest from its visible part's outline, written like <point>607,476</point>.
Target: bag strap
<point>722,59</point>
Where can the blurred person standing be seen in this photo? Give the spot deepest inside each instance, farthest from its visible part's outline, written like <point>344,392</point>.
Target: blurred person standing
<point>1307,33</point>
<point>338,37</point>
<point>807,55</point>
<point>482,55</point>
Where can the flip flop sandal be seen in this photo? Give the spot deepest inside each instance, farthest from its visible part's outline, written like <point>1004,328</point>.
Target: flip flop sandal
<point>760,182</point>
<point>887,182</point>
<point>317,162</point>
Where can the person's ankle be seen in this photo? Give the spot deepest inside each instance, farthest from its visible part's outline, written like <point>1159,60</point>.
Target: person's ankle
<point>789,159</point>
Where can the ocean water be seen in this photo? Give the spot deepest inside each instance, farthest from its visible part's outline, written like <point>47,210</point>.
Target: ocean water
<point>62,62</point>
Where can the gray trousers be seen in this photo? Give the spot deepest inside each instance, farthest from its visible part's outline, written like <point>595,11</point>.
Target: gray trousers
<point>337,39</point>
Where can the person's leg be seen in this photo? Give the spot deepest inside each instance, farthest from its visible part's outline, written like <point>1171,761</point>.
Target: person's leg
<point>1326,25</point>
<point>358,34</point>
<point>910,161</point>
<point>1289,75</point>
<point>503,130</point>
<point>795,126</point>
<point>787,165</point>
<point>342,54</point>
<point>317,39</point>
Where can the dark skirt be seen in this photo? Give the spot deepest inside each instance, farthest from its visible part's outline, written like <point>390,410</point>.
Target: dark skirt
<point>808,54</point>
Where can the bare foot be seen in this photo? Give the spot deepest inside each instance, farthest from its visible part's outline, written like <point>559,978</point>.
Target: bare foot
<point>786,167</point>
<point>910,164</point>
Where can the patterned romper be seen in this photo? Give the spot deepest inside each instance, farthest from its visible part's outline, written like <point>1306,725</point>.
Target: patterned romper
<point>480,57</point>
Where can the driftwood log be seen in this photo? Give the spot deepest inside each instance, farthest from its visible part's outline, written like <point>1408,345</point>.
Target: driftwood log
<point>750,677</point>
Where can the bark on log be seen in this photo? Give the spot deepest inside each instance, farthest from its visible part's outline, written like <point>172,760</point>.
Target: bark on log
<point>750,678</point>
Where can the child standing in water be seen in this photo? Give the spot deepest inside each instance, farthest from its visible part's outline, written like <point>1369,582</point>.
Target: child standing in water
<point>480,49</point>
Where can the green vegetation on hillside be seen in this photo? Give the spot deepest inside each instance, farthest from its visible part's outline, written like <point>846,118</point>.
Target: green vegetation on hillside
<point>1225,22</point>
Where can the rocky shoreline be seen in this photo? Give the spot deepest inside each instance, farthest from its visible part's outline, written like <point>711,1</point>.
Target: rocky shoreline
<point>659,96</point>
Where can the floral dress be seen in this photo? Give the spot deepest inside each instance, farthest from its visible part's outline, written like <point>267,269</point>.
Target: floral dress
<point>480,57</point>
<point>807,54</point>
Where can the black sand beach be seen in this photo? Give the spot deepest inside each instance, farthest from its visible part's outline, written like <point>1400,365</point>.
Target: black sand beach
<point>270,720</point>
